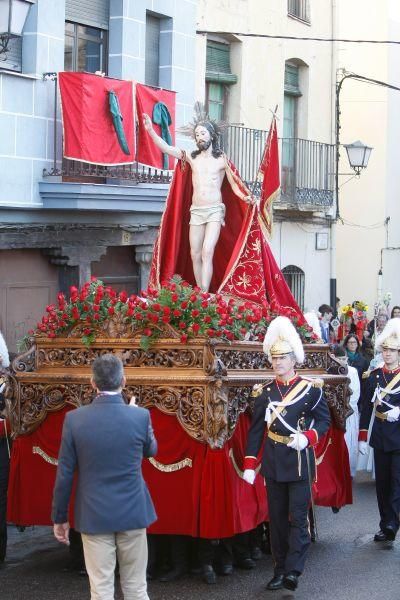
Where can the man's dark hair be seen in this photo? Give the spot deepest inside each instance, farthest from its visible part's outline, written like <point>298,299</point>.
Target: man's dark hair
<point>216,150</point>
<point>325,308</point>
<point>393,309</point>
<point>107,372</point>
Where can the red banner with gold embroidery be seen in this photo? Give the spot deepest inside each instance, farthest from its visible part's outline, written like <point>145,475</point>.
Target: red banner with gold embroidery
<point>269,178</point>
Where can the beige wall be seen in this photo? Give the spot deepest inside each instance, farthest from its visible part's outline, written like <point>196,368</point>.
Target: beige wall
<point>259,64</point>
<point>371,114</point>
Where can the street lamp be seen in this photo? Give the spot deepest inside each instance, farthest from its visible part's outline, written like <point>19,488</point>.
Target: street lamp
<point>13,14</point>
<point>358,155</point>
<point>357,162</point>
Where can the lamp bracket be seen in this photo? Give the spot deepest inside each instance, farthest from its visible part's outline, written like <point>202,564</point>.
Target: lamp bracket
<point>49,76</point>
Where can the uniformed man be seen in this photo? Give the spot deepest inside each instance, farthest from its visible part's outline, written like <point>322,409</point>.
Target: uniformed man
<point>380,413</point>
<point>293,414</point>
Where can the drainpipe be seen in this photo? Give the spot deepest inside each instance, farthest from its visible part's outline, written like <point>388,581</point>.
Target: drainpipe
<point>332,246</point>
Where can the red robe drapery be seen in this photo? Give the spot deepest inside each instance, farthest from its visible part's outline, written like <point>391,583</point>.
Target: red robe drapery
<point>243,264</point>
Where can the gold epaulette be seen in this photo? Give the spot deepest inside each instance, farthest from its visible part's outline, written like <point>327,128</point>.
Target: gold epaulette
<point>366,374</point>
<point>316,382</point>
<point>258,388</point>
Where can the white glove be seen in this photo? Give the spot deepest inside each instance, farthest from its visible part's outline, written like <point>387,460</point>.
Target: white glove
<point>299,441</point>
<point>393,414</point>
<point>249,475</point>
<point>363,447</point>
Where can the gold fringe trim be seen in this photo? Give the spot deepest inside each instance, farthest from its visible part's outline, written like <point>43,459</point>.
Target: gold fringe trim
<point>239,473</point>
<point>46,457</point>
<point>319,460</point>
<point>186,462</point>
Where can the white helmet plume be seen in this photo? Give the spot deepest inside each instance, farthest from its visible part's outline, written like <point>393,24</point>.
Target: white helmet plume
<point>282,329</point>
<point>313,321</point>
<point>392,331</point>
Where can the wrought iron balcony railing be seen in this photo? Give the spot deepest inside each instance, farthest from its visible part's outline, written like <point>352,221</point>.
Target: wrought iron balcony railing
<point>74,170</point>
<point>307,167</point>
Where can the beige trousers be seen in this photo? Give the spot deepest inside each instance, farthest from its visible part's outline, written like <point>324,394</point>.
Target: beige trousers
<point>130,547</point>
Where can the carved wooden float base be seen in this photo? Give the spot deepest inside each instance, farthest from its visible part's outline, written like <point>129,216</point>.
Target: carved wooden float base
<point>205,385</point>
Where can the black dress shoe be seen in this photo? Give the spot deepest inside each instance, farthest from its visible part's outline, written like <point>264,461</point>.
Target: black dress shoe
<point>291,581</point>
<point>276,583</point>
<point>208,574</point>
<point>390,533</point>
<point>380,536</point>
<point>246,563</point>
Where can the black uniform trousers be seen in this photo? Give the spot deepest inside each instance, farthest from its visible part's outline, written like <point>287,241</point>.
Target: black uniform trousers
<point>288,504</point>
<point>387,473</point>
<point>4,471</point>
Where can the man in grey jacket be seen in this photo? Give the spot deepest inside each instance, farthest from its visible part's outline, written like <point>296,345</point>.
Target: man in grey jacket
<point>104,444</point>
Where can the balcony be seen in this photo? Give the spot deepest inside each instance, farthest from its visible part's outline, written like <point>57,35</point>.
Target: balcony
<point>73,185</point>
<point>307,167</point>
<point>307,176</point>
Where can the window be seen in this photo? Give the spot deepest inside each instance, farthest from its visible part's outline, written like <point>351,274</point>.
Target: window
<point>295,279</point>
<point>85,48</point>
<point>218,78</point>
<point>291,95</point>
<point>299,9</point>
<point>152,56</point>
<point>216,101</point>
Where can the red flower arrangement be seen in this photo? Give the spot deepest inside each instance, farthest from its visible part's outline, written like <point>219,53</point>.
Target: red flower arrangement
<point>186,309</point>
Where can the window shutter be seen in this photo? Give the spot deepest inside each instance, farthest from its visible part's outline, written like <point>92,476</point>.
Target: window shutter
<point>152,57</point>
<point>14,56</point>
<point>94,13</point>
<point>292,80</point>
<point>218,63</point>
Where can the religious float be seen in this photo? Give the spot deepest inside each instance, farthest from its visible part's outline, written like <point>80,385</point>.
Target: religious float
<point>192,359</point>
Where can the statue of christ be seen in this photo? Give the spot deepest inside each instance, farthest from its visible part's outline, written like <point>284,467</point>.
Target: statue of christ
<point>207,213</point>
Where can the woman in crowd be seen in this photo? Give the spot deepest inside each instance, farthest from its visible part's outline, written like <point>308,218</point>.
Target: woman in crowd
<point>395,314</point>
<point>353,350</point>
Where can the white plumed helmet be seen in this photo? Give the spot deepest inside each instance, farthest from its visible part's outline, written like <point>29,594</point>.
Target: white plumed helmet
<point>282,338</point>
<point>390,336</point>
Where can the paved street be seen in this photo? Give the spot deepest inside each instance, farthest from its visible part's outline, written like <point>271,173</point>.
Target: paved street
<point>345,564</point>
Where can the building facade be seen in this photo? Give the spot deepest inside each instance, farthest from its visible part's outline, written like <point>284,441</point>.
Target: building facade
<point>242,79</point>
<point>368,238</point>
<point>61,222</point>
<point>58,224</point>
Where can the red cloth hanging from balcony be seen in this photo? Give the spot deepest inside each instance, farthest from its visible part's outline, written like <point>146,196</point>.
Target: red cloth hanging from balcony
<point>146,99</point>
<point>89,132</point>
